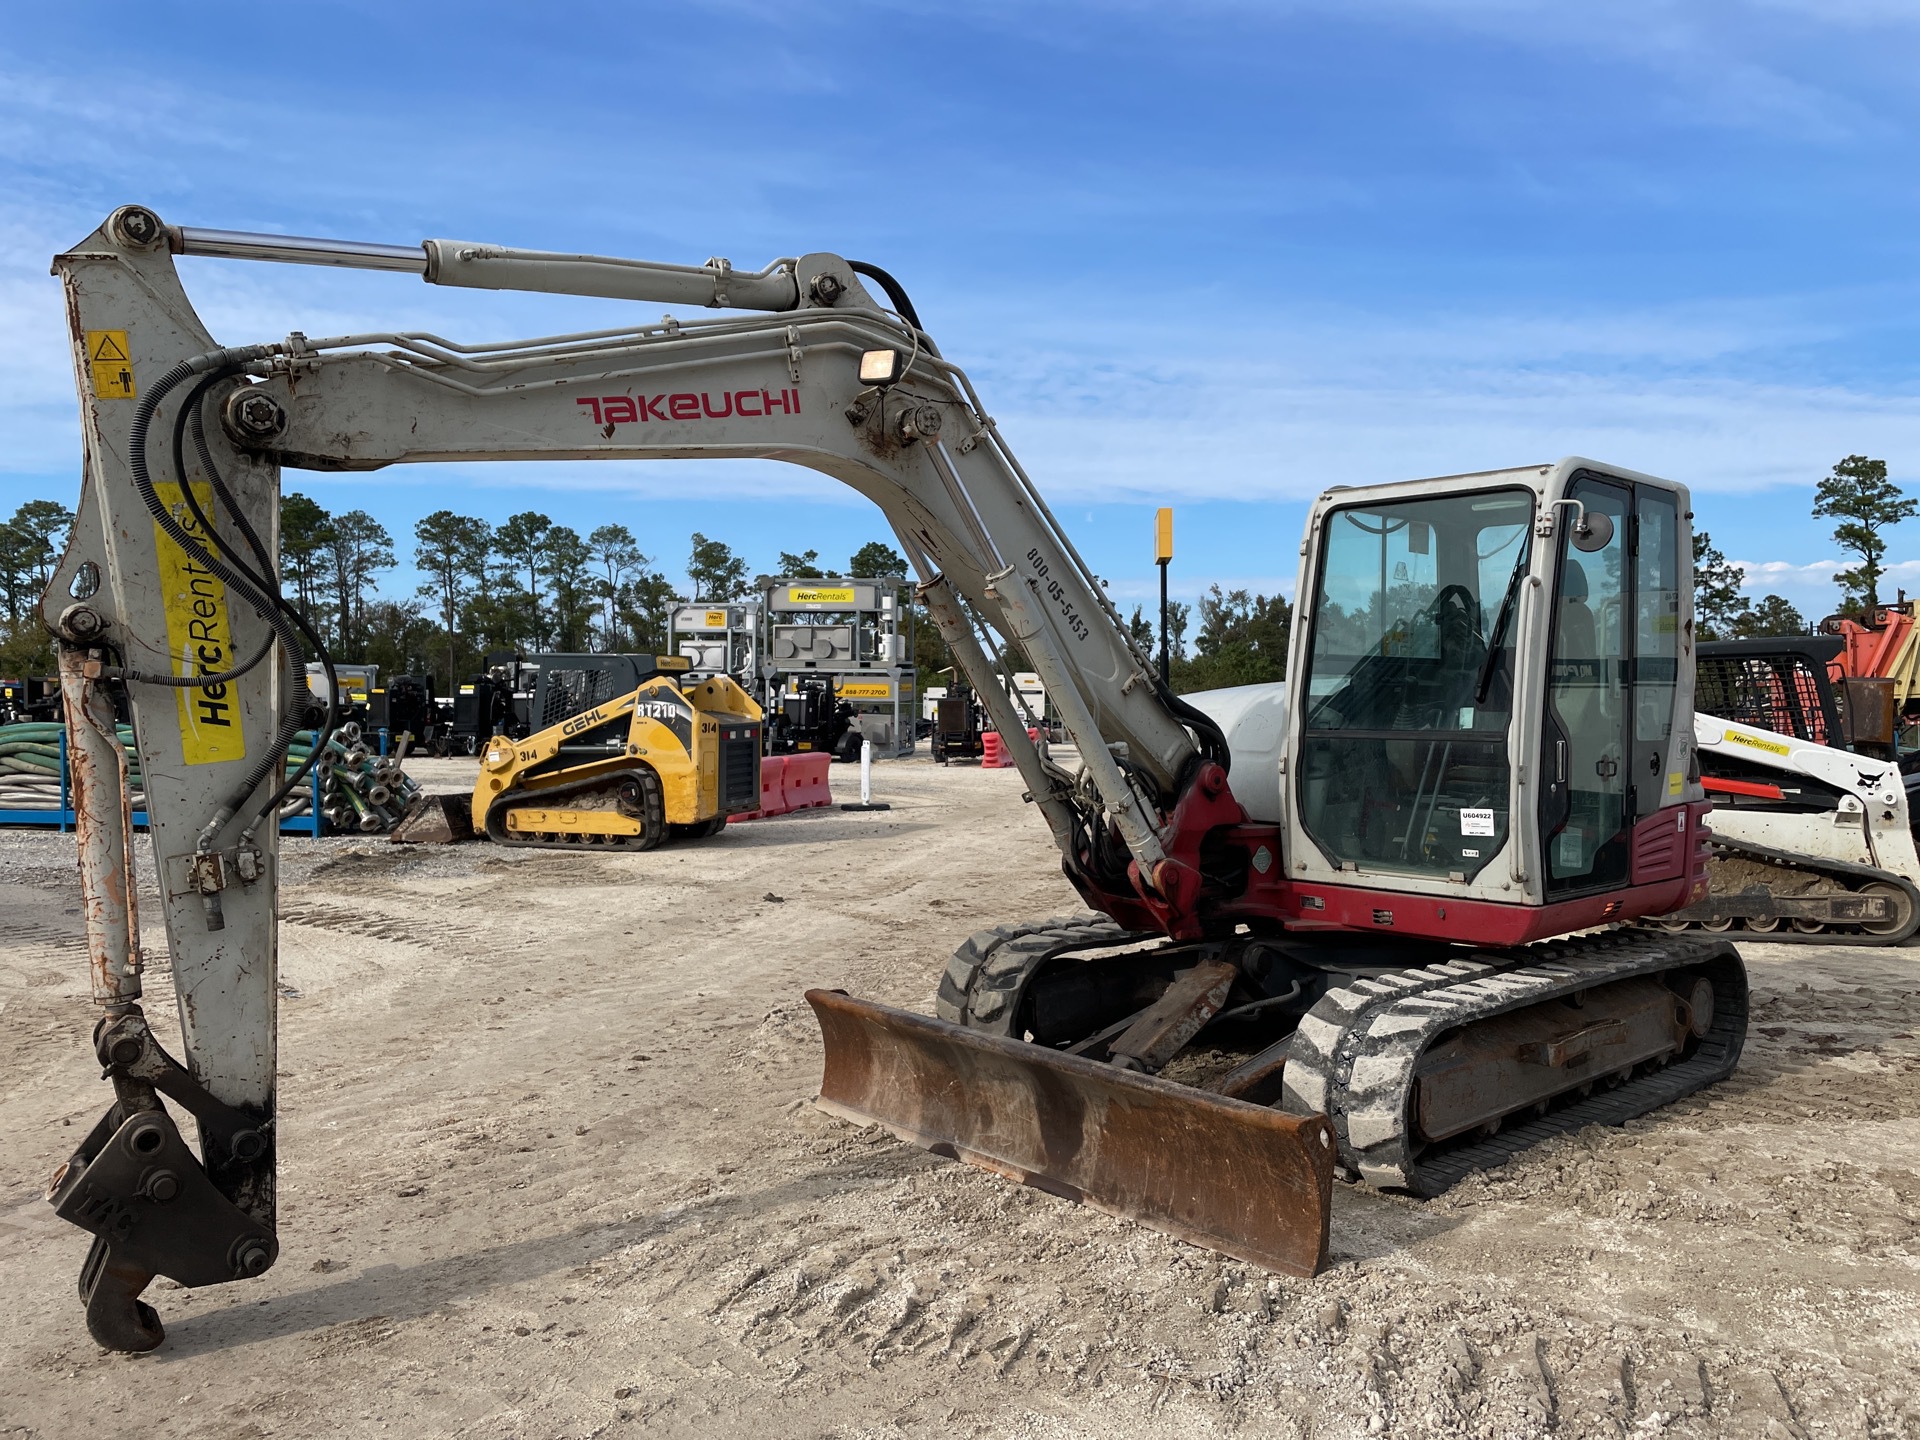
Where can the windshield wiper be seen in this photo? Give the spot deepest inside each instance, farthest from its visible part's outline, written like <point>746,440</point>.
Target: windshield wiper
<point>1500,626</point>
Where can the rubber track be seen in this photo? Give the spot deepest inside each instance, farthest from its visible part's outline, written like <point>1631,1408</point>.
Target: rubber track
<point>1842,870</point>
<point>1353,1056</point>
<point>653,823</point>
<point>987,975</point>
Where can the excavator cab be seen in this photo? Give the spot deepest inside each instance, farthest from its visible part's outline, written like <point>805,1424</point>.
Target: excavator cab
<point>1483,742</point>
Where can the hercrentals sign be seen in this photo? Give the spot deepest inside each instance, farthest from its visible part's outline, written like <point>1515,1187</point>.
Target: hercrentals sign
<point>199,635</point>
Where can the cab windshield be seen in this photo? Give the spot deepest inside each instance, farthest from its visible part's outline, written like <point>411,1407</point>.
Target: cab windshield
<point>1410,681</point>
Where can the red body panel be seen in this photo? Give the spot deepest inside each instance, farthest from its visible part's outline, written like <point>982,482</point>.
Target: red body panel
<point>1668,871</point>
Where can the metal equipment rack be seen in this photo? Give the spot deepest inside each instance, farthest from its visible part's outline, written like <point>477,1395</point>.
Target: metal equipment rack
<point>854,633</point>
<point>720,637</point>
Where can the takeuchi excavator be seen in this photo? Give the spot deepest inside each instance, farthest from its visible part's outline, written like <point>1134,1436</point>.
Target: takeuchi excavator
<point>1376,898</point>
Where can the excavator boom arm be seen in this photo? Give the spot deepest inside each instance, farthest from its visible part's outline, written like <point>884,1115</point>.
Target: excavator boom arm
<point>170,591</point>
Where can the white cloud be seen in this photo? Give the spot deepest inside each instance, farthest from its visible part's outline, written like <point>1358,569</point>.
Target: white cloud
<point>1810,586</point>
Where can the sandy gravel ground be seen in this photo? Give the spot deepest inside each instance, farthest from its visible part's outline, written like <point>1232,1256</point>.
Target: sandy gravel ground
<point>548,1170</point>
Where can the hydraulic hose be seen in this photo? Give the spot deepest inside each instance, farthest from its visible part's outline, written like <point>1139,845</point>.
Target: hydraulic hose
<point>897,293</point>
<point>191,412</point>
<point>272,609</point>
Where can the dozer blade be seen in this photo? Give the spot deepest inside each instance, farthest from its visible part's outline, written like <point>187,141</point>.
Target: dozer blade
<point>1238,1178</point>
<point>435,820</point>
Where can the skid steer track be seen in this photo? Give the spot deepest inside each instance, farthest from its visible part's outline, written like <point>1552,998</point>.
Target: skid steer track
<point>1849,891</point>
<point>634,795</point>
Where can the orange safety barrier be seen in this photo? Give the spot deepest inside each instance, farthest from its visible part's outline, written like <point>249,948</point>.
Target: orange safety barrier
<point>804,787</point>
<point>773,790</point>
<point>993,753</point>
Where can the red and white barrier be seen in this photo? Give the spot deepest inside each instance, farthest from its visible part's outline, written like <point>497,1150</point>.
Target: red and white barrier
<point>773,790</point>
<point>804,786</point>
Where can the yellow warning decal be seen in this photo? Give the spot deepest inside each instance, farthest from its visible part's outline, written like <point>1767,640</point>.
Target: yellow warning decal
<point>110,363</point>
<point>1673,782</point>
<point>865,690</point>
<point>1754,742</point>
<point>819,595</point>
<point>199,636</point>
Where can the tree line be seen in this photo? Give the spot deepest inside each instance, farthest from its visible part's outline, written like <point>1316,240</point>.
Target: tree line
<point>1241,639</point>
<point>526,584</point>
<point>30,546</point>
<point>529,584</point>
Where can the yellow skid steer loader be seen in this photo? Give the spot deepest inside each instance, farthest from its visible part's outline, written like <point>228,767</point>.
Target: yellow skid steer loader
<point>670,758</point>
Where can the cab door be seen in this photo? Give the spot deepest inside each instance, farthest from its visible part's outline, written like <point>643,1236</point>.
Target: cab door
<point>1585,792</point>
<point>1656,646</point>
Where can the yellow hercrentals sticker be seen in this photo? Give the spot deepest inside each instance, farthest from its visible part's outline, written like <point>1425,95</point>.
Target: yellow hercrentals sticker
<point>1754,742</point>
<point>1674,782</point>
<point>826,595</point>
<point>865,690</point>
<point>716,619</point>
<point>199,637</point>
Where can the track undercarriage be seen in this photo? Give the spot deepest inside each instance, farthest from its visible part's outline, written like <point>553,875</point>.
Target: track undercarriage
<point>1413,1075</point>
<point>619,810</point>
<point>1787,897</point>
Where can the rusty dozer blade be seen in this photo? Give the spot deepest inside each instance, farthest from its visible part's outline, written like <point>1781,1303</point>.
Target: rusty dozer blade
<point>1238,1178</point>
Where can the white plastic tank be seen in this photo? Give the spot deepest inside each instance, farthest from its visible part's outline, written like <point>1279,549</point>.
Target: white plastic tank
<point>1254,719</point>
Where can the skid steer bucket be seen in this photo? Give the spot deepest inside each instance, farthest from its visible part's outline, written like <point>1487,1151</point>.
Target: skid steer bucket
<point>1238,1178</point>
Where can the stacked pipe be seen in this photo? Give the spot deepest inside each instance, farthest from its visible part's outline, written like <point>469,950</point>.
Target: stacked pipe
<point>30,765</point>
<point>358,790</point>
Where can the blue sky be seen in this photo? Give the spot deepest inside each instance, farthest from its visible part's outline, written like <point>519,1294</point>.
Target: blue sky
<point>1213,255</point>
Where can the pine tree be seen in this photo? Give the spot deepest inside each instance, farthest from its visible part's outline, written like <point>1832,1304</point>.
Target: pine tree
<point>877,558</point>
<point>1859,495</point>
<point>716,572</point>
<point>1717,601</point>
<point>452,551</point>
<point>804,566</point>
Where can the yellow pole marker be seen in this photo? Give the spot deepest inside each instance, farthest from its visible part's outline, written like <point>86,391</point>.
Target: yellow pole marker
<point>1163,557</point>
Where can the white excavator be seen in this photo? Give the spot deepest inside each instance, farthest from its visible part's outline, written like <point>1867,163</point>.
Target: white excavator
<point>1360,892</point>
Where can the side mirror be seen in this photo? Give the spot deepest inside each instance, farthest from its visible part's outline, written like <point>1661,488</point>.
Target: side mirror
<point>1592,532</point>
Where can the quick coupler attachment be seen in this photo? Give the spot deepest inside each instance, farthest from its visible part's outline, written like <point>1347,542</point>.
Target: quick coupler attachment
<point>152,1210</point>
